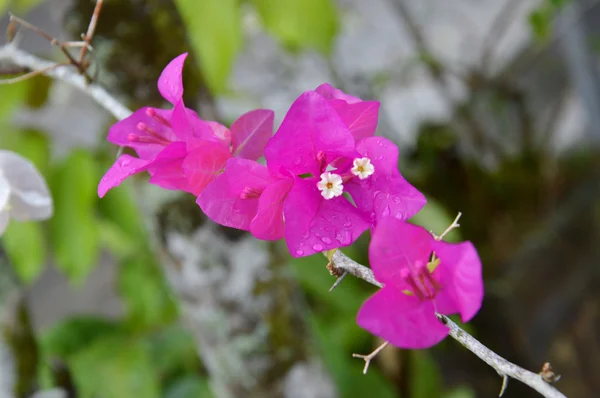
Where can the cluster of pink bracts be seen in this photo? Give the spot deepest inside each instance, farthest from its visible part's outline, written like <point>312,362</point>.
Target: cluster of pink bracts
<point>327,179</point>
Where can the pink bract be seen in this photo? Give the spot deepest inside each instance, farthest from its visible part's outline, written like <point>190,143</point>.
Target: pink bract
<point>178,149</point>
<point>359,116</point>
<point>403,311</point>
<point>314,138</point>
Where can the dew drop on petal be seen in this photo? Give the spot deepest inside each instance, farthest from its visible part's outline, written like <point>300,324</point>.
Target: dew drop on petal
<point>347,224</point>
<point>317,247</point>
<point>299,252</point>
<point>326,240</point>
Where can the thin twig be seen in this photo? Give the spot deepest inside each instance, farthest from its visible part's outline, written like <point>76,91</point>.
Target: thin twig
<point>91,29</point>
<point>53,41</point>
<point>31,74</point>
<point>11,53</point>
<point>452,226</point>
<point>501,365</point>
<point>370,356</point>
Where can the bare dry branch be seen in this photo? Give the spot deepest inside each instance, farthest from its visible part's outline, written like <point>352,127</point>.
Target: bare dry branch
<point>370,356</point>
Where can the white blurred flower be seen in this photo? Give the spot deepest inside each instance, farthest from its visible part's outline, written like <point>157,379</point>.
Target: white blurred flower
<point>24,194</point>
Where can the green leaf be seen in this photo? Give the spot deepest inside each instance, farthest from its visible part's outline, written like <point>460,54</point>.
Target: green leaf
<point>189,386</point>
<point>119,207</point>
<point>213,27</point>
<point>13,95</point>
<point>173,350</point>
<point>540,23</point>
<point>301,23</point>
<point>114,367</point>
<point>144,291</point>
<point>425,378</point>
<point>75,334</point>
<point>22,6</point>
<point>26,247</point>
<point>114,239</point>
<point>74,230</point>
<point>3,6</point>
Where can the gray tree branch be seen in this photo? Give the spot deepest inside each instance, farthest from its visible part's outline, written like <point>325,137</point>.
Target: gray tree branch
<point>343,264</point>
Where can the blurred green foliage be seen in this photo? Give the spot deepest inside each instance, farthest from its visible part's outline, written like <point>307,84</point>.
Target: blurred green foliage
<point>75,235</point>
<point>213,27</point>
<point>542,17</point>
<point>17,6</point>
<point>300,24</point>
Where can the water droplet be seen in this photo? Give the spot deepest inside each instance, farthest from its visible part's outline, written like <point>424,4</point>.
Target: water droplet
<point>347,224</point>
<point>317,247</point>
<point>299,252</point>
<point>326,240</point>
<point>125,162</point>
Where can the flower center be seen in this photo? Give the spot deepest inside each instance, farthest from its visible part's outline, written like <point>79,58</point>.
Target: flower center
<point>421,281</point>
<point>362,168</point>
<point>331,185</point>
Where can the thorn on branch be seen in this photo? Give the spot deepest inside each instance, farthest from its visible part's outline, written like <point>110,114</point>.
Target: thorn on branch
<point>368,358</point>
<point>338,280</point>
<point>504,384</point>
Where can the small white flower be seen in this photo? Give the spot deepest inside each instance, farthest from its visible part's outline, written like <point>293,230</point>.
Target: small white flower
<point>24,194</point>
<point>362,168</point>
<point>330,185</point>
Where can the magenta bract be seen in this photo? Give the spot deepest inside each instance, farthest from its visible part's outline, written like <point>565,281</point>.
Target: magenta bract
<point>403,311</point>
<point>178,149</point>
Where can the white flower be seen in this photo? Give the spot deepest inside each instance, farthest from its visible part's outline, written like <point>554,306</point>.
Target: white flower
<point>330,185</point>
<point>24,194</point>
<point>362,168</point>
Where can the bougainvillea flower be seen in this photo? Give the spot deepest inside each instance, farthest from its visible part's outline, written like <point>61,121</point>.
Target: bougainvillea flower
<point>299,193</point>
<point>360,116</point>
<point>421,276</point>
<point>283,199</point>
<point>24,194</point>
<point>177,148</point>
